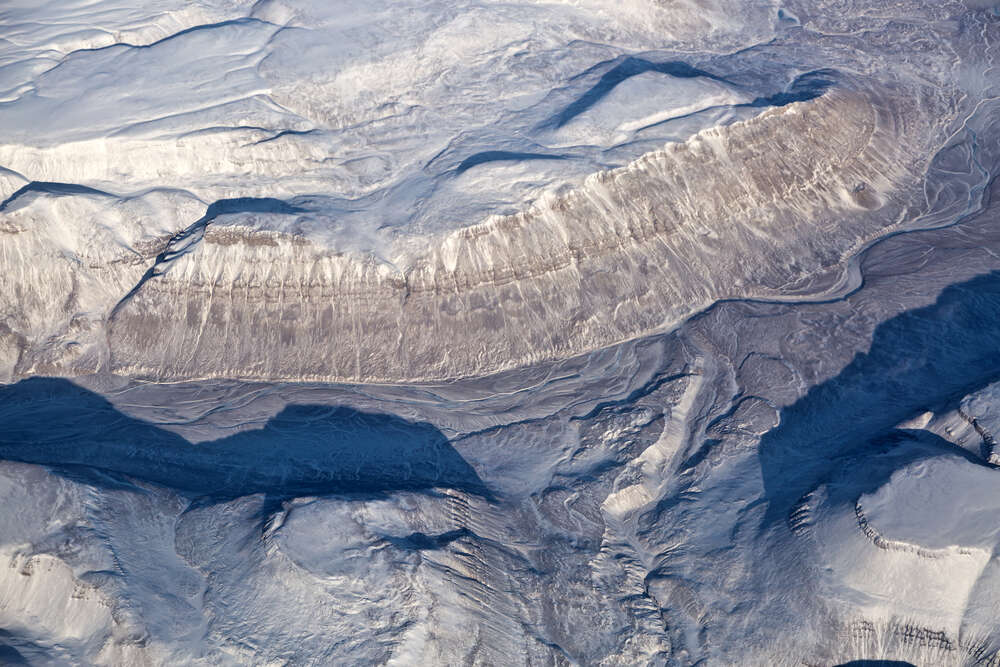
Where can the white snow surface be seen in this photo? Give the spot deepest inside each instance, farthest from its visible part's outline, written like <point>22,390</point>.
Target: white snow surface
<point>499,332</point>
<point>370,104</point>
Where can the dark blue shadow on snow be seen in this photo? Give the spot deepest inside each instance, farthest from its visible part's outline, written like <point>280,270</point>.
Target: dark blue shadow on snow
<point>243,21</point>
<point>626,69</point>
<point>11,656</point>
<point>805,87</point>
<point>928,358</point>
<point>50,188</point>
<point>304,450</point>
<point>249,205</point>
<point>501,156</point>
<point>876,663</point>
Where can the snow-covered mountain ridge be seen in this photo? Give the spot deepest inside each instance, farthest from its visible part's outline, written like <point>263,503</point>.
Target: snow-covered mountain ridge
<point>499,332</point>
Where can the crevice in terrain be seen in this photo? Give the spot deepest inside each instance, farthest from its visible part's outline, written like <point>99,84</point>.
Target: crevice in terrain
<point>184,241</point>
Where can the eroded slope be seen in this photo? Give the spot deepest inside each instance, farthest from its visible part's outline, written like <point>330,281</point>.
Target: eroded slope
<point>753,209</point>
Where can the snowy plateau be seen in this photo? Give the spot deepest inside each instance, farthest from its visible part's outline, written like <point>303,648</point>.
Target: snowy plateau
<point>500,332</point>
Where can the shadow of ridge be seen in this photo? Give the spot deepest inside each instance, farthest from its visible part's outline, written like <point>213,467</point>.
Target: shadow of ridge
<point>876,663</point>
<point>882,456</point>
<point>249,205</point>
<point>13,649</point>
<point>502,156</point>
<point>925,358</point>
<point>303,450</point>
<point>11,656</point>
<point>805,87</point>
<point>629,67</point>
<point>51,188</point>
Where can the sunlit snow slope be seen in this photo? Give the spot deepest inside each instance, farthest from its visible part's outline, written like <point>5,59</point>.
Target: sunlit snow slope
<point>389,193</point>
<point>564,332</point>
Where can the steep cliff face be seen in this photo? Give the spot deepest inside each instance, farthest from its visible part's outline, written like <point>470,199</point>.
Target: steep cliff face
<point>743,211</point>
<point>758,208</point>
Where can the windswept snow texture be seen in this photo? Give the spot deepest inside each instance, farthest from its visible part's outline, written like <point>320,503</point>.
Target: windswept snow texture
<point>577,332</point>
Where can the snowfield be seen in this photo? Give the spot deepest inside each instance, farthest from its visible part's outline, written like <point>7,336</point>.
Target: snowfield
<point>523,332</point>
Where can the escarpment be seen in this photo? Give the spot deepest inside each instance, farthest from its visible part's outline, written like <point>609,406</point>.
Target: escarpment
<point>736,211</point>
